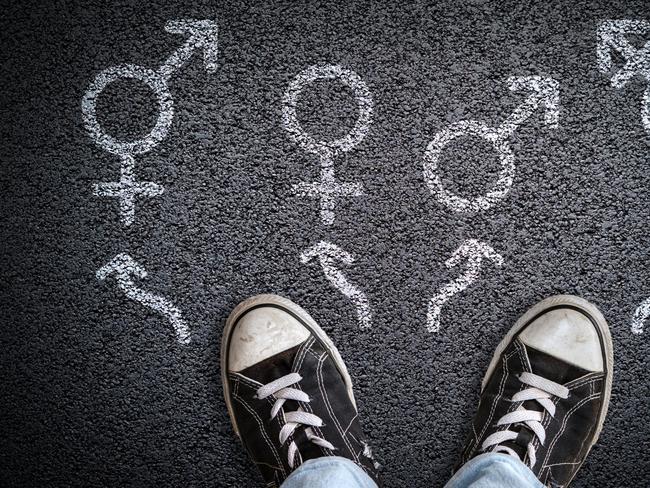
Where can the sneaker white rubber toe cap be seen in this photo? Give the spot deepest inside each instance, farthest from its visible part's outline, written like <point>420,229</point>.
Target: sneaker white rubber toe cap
<point>261,333</point>
<point>566,334</point>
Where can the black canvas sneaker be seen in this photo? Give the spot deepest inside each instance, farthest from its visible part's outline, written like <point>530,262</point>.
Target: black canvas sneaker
<point>287,389</point>
<point>545,395</point>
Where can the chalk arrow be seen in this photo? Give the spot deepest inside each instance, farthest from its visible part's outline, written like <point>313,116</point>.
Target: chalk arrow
<point>328,254</point>
<point>123,267</point>
<point>202,35</point>
<point>473,252</point>
<point>545,92</point>
<point>640,316</point>
<point>612,36</point>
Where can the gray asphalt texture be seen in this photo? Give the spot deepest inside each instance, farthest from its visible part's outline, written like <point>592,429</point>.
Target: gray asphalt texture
<point>96,391</point>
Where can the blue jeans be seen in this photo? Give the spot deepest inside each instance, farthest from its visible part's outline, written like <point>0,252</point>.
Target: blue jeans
<point>488,470</point>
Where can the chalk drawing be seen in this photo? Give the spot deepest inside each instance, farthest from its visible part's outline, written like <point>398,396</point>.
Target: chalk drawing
<point>127,189</point>
<point>545,93</point>
<point>328,189</point>
<point>327,255</point>
<point>640,316</point>
<point>473,252</point>
<point>202,34</point>
<point>123,267</point>
<point>612,36</point>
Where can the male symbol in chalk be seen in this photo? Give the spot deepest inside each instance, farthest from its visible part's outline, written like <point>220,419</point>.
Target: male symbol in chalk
<point>545,93</point>
<point>202,35</point>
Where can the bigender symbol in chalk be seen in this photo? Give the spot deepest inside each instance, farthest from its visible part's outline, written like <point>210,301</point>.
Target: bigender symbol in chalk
<point>125,268</point>
<point>640,315</point>
<point>612,36</point>
<point>545,94</point>
<point>327,255</point>
<point>202,34</point>
<point>328,189</point>
<point>473,252</point>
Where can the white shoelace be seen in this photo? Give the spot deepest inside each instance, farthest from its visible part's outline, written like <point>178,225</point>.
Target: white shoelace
<point>541,390</point>
<point>280,389</point>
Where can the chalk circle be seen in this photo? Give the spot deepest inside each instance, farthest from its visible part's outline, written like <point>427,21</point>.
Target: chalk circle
<point>475,129</point>
<point>361,94</point>
<point>153,80</point>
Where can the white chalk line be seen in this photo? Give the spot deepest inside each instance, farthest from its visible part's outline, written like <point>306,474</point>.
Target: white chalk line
<point>327,254</point>
<point>640,316</point>
<point>473,252</point>
<point>612,36</point>
<point>124,267</point>
<point>202,35</point>
<point>545,93</point>
<point>328,189</point>
<point>127,189</point>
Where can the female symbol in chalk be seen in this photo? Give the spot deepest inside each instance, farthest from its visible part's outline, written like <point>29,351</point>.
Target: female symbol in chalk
<point>328,188</point>
<point>545,92</point>
<point>202,34</point>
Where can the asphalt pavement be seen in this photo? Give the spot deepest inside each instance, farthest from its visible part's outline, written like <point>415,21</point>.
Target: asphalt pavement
<point>115,382</point>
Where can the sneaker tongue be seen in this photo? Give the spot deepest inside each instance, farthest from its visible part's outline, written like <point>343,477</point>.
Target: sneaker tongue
<point>552,368</point>
<point>520,444</point>
<point>270,369</point>
<point>549,367</point>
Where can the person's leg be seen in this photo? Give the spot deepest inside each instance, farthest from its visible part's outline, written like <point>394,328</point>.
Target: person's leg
<point>543,399</point>
<point>290,398</point>
<point>329,472</point>
<point>492,470</point>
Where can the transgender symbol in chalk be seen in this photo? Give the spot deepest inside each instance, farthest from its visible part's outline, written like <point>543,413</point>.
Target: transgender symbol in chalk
<point>202,34</point>
<point>328,189</point>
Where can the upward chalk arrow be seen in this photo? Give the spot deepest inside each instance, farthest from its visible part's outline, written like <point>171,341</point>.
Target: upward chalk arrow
<point>328,255</point>
<point>473,252</point>
<point>124,268</point>
<point>202,35</point>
